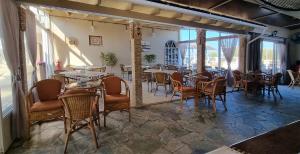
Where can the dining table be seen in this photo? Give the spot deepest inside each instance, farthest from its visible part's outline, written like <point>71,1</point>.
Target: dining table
<point>83,85</point>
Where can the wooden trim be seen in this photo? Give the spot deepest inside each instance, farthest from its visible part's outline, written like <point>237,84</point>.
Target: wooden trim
<point>100,10</point>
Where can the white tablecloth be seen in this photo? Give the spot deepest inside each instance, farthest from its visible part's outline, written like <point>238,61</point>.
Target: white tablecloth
<point>82,73</point>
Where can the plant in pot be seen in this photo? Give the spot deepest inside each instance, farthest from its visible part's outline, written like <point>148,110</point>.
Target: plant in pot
<point>109,59</point>
<point>150,58</point>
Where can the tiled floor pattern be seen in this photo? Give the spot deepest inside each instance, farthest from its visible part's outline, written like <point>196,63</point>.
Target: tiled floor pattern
<point>173,127</point>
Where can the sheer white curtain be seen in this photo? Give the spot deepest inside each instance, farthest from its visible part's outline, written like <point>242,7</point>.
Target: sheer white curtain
<point>228,46</point>
<point>182,49</point>
<point>31,42</point>
<point>9,32</point>
<point>280,58</point>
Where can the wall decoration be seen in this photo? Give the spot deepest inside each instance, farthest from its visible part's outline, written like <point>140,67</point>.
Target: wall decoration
<point>146,47</point>
<point>95,40</point>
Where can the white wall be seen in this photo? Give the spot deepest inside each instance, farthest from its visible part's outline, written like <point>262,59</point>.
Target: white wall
<point>115,39</point>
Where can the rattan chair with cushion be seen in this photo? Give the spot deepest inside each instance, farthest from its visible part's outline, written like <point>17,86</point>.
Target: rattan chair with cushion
<point>79,110</point>
<point>161,79</point>
<point>114,99</point>
<point>216,88</point>
<point>42,103</point>
<point>179,87</point>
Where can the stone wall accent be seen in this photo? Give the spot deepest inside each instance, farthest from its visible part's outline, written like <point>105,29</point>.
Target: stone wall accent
<point>242,53</point>
<point>136,62</point>
<point>201,39</point>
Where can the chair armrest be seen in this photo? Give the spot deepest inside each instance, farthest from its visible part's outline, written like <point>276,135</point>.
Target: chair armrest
<point>126,87</point>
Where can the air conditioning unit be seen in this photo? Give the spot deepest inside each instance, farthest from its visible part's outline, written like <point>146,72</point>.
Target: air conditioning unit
<point>296,38</point>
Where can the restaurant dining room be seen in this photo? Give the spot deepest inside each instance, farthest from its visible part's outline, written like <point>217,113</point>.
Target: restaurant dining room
<point>150,76</point>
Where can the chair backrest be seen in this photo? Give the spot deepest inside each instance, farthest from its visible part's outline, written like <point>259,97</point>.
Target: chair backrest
<point>78,106</point>
<point>48,89</point>
<point>291,75</point>
<point>207,74</point>
<point>122,67</point>
<point>160,77</point>
<point>220,85</point>
<point>177,77</point>
<point>237,75</point>
<point>157,66</point>
<point>276,78</point>
<point>103,69</point>
<point>112,85</point>
<point>171,67</point>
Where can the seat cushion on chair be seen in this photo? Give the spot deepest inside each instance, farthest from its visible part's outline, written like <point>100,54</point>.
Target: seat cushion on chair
<point>119,98</point>
<point>46,106</point>
<point>185,89</point>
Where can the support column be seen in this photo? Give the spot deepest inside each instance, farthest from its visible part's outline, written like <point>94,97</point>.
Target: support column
<point>201,39</point>
<point>136,62</point>
<point>242,53</point>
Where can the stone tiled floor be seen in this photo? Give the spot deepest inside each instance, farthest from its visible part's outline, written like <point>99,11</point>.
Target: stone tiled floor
<point>173,127</point>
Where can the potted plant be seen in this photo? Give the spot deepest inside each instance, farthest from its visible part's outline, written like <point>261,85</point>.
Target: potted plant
<point>150,58</point>
<point>109,59</point>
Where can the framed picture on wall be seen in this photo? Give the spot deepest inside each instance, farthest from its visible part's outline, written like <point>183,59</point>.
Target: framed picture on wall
<point>95,40</point>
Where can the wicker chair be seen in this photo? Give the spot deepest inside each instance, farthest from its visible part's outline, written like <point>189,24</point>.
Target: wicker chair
<point>79,110</point>
<point>237,80</point>
<point>272,84</point>
<point>125,71</point>
<point>178,87</point>
<point>209,75</point>
<point>147,77</point>
<point>161,79</point>
<point>114,100</point>
<point>42,102</point>
<point>216,88</point>
<point>62,79</point>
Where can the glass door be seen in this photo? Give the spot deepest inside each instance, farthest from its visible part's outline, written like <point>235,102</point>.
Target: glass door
<point>271,56</point>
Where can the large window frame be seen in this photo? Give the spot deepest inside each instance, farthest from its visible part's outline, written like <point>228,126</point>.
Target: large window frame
<point>187,42</point>
<point>213,38</point>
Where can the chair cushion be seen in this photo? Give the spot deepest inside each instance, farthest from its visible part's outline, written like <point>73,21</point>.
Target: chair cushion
<point>185,89</point>
<point>46,106</point>
<point>48,89</point>
<point>112,85</point>
<point>118,98</point>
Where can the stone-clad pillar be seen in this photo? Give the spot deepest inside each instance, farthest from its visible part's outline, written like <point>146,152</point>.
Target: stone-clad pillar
<point>136,62</point>
<point>242,53</point>
<point>201,39</point>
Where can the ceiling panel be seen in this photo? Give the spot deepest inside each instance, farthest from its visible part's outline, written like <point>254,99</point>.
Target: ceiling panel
<point>206,4</point>
<point>242,9</point>
<point>280,20</point>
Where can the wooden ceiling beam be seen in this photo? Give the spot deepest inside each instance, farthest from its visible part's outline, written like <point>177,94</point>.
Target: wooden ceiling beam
<point>155,11</point>
<point>287,26</point>
<point>100,10</point>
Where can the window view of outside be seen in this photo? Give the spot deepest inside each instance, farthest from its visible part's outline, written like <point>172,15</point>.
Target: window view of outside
<point>214,56</point>
<point>5,81</point>
<point>188,47</point>
<point>271,57</point>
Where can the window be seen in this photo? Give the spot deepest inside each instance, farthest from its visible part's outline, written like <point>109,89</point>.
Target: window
<point>271,56</point>
<point>214,57</point>
<point>5,82</point>
<point>188,47</point>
